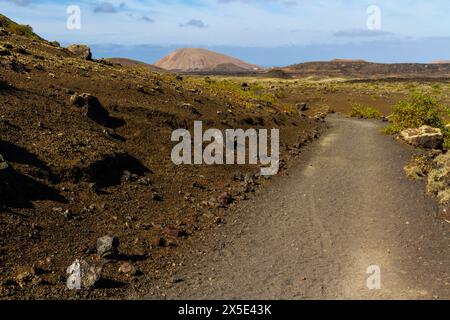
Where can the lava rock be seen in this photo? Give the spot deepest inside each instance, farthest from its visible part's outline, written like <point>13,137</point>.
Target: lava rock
<point>107,246</point>
<point>23,279</point>
<point>190,108</point>
<point>424,137</point>
<point>3,164</point>
<point>302,106</point>
<point>82,275</point>
<point>81,51</point>
<point>90,107</point>
<point>224,200</point>
<point>128,269</point>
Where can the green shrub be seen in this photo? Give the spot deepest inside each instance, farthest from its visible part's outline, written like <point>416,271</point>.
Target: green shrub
<point>22,30</point>
<point>249,94</point>
<point>19,29</point>
<point>364,112</point>
<point>420,109</point>
<point>55,44</point>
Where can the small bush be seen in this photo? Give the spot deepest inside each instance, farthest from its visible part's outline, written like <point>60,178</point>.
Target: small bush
<point>419,110</point>
<point>364,112</point>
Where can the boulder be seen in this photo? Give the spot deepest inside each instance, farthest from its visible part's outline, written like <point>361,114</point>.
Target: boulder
<point>24,278</point>
<point>425,137</point>
<point>189,107</point>
<point>81,51</point>
<point>224,200</point>
<point>128,269</point>
<point>3,32</point>
<point>439,178</point>
<point>302,106</point>
<point>91,107</point>
<point>107,246</point>
<point>4,51</point>
<point>82,275</point>
<point>3,164</point>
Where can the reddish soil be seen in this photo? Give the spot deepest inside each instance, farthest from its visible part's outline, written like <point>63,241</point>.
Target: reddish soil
<point>67,182</point>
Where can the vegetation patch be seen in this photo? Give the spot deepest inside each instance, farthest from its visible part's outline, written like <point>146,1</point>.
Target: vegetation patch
<point>364,112</point>
<point>418,110</point>
<point>19,29</point>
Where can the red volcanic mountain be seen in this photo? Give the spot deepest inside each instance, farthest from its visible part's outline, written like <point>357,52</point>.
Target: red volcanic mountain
<point>190,59</point>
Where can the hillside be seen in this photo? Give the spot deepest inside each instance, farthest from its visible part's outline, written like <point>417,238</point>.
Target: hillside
<point>85,151</point>
<point>191,60</point>
<point>130,63</point>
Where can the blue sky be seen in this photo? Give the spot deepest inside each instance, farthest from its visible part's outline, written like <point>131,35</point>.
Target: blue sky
<point>266,32</point>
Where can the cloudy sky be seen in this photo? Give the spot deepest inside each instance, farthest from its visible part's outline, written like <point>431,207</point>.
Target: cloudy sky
<point>266,32</point>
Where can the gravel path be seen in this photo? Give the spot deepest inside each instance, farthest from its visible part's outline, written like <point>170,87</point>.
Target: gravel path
<point>345,206</point>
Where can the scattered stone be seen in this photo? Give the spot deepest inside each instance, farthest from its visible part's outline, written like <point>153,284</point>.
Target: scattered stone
<point>159,242</point>
<point>189,107</point>
<point>37,268</point>
<point>82,275</point>
<point>107,246</point>
<point>424,137</point>
<point>129,177</point>
<point>249,184</point>
<point>439,178</point>
<point>238,176</point>
<point>413,171</point>
<point>3,32</point>
<point>302,106</point>
<point>144,181</point>
<point>24,278</point>
<point>36,281</point>
<point>195,91</point>
<point>81,51</point>
<point>177,279</point>
<point>128,269</point>
<point>198,186</point>
<point>111,134</point>
<point>175,232</point>
<point>3,164</point>
<point>21,50</point>
<point>156,196</point>
<point>90,107</point>
<point>4,52</point>
<point>224,200</point>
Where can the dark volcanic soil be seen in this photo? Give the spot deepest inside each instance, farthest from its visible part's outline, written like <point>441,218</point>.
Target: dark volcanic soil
<point>346,205</point>
<point>72,179</point>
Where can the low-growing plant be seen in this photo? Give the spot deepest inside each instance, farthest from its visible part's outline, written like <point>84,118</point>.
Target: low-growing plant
<point>420,109</point>
<point>364,112</point>
<point>22,30</point>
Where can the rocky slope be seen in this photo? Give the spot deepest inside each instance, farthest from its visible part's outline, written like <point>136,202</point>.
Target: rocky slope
<point>85,152</point>
<point>130,63</point>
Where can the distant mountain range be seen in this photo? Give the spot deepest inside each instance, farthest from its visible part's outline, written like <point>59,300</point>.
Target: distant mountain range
<point>202,60</point>
<point>367,70</point>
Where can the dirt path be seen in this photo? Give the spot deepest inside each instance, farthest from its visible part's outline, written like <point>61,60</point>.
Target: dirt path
<point>314,233</point>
